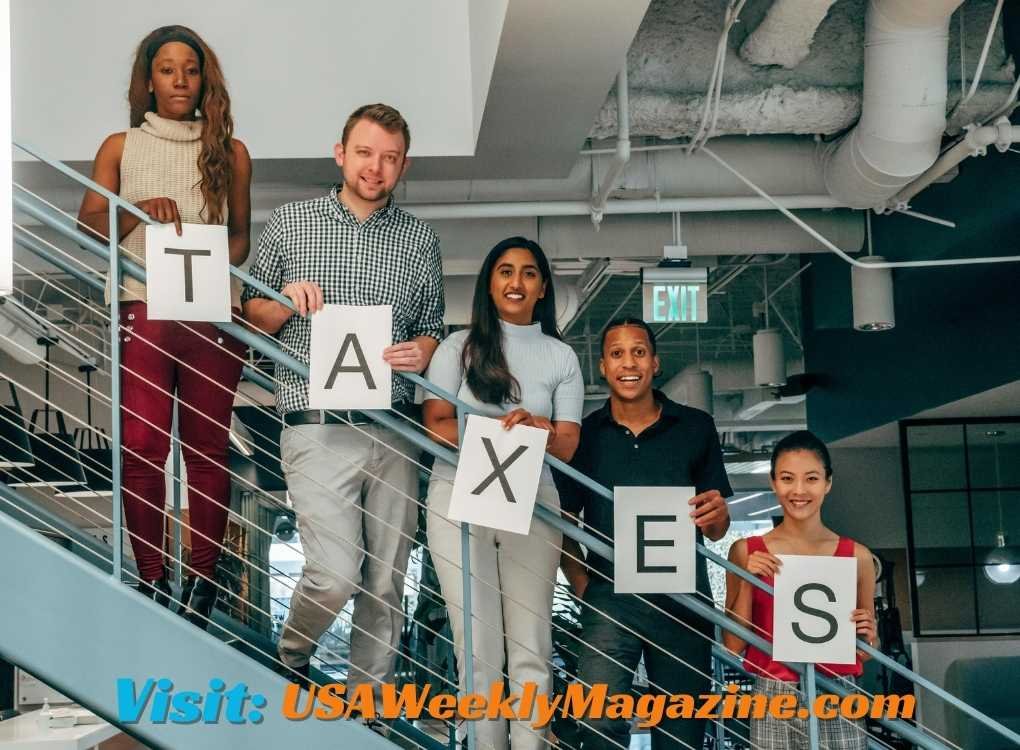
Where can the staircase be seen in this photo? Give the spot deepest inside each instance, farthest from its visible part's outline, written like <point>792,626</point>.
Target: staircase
<point>75,621</point>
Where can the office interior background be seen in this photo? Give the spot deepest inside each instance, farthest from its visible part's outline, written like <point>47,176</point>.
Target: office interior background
<point>617,134</point>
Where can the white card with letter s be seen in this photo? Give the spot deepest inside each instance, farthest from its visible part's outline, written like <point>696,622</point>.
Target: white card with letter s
<point>346,369</point>
<point>497,475</point>
<point>814,596</point>
<point>188,277</point>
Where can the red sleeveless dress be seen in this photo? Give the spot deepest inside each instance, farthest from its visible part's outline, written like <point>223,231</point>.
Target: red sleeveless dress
<point>757,661</point>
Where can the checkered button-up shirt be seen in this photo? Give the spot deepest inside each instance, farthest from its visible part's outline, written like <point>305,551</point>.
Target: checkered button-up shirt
<point>390,259</point>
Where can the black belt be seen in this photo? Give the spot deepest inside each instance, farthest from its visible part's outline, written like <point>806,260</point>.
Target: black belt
<point>340,416</point>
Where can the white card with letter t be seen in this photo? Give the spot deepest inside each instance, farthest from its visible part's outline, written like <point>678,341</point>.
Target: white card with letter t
<point>188,277</point>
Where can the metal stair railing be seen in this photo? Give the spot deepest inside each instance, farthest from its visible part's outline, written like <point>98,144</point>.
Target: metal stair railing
<point>68,591</point>
<point>425,446</point>
<point>269,349</point>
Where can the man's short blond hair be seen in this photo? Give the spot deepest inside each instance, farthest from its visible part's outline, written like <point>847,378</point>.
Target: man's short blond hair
<point>388,118</point>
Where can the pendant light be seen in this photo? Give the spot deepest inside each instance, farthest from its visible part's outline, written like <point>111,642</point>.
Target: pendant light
<point>1002,564</point>
<point>872,292</point>
<point>699,382</point>
<point>767,346</point>
<point>57,463</point>
<point>95,450</point>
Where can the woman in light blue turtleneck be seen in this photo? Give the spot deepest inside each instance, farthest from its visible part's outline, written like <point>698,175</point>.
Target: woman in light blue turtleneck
<point>512,365</point>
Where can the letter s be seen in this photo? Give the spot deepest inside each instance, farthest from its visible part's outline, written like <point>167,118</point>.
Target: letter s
<point>798,602</point>
<point>187,707</point>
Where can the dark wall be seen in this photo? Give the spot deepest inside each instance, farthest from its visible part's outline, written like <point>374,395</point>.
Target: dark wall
<point>957,328</point>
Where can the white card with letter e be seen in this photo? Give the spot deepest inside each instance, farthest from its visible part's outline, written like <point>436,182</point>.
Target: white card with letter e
<point>814,596</point>
<point>346,369</point>
<point>497,475</point>
<point>654,549</point>
<point>188,276</point>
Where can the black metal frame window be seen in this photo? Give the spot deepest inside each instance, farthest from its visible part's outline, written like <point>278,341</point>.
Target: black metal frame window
<point>961,480</point>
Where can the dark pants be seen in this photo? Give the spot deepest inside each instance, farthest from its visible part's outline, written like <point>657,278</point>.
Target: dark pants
<point>157,357</point>
<point>615,647</point>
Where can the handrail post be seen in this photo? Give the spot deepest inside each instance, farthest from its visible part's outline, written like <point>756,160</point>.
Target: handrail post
<point>717,673</point>
<point>115,425</point>
<point>175,448</point>
<point>810,693</point>
<point>465,568</point>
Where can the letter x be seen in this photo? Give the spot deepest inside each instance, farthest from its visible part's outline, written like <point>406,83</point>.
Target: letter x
<point>499,470</point>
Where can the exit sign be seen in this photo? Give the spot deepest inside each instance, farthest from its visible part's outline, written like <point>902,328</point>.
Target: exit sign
<point>675,294</point>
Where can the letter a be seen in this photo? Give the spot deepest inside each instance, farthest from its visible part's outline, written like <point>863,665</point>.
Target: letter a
<point>351,340</point>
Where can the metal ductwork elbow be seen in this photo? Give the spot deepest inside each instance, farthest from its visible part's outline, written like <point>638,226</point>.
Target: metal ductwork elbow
<point>903,108</point>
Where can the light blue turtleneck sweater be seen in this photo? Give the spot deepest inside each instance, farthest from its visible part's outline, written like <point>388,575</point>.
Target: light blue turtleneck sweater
<point>546,369</point>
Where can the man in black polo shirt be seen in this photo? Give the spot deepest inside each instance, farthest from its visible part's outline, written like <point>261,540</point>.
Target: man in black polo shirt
<point>641,438</point>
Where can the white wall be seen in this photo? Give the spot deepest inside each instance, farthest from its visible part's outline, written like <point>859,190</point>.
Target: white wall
<point>295,71</point>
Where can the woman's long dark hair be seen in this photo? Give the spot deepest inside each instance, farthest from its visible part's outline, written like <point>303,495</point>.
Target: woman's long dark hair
<point>488,375</point>
<point>214,160</point>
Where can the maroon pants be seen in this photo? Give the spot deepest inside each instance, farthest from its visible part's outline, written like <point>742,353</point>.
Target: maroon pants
<point>157,357</point>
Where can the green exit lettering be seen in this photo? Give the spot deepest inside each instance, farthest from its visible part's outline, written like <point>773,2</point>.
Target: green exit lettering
<point>675,303</point>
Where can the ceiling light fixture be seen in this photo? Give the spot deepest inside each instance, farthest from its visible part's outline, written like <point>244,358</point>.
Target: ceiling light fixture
<point>767,345</point>
<point>1001,564</point>
<point>700,393</point>
<point>872,292</point>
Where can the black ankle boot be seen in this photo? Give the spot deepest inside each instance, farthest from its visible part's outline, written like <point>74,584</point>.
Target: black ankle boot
<point>157,589</point>
<point>198,597</point>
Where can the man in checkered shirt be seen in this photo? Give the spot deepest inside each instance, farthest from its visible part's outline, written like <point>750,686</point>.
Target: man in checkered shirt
<point>353,484</point>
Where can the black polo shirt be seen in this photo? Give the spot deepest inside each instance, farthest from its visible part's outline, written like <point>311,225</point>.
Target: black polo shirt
<point>681,449</point>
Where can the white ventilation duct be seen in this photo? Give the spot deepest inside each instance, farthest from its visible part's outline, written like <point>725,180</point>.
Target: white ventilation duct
<point>903,112</point>
<point>460,291</point>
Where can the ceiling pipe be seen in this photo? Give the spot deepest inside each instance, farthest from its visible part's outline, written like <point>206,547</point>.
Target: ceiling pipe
<point>521,209</point>
<point>975,143</point>
<point>622,156</point>
<point>903,112</point>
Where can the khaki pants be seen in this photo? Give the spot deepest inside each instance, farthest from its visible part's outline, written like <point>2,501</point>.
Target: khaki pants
<point>514,622</point>
<point>349,488</point>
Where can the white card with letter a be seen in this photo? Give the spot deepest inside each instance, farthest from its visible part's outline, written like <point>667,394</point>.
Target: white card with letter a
<point>654,548</point>
<point>497,475</point>
<point>814,596</point>
<point>188,277</point>
<point>346,369</point>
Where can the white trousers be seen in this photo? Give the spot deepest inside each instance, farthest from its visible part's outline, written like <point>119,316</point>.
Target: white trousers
<point>512,580</point>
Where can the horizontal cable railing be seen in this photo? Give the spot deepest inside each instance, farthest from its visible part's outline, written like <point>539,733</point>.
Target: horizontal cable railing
<point>130,271</point>
<point>77,384</point>
<point>270,350</point>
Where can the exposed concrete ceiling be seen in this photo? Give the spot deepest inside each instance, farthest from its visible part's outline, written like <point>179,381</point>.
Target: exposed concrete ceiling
<point>672,55</point>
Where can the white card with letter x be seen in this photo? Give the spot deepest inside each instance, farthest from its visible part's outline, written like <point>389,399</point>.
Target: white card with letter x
<point>497,475</point>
